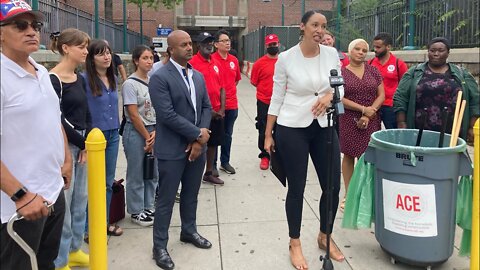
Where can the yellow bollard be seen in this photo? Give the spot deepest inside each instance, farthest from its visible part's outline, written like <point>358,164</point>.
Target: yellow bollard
<point>475,248</point>
<point>97,197</point>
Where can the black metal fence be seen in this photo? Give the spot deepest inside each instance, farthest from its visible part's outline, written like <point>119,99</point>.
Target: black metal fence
<point>254,42</point>
<point>59,16</point>
<point>457,20</point>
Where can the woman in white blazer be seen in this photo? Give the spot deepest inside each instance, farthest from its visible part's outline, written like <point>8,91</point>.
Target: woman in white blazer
<point>301,96</point>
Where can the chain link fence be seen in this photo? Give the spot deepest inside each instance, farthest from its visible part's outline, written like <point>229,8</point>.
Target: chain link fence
<point>59,16</point>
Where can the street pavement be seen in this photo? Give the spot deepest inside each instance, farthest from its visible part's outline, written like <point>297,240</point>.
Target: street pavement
<point>246,223</point>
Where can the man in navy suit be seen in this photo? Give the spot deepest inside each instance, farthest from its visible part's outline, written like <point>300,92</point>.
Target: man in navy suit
<point>183,113</point>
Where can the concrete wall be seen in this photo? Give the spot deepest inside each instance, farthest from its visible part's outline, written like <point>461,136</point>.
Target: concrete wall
<point>468,58</point>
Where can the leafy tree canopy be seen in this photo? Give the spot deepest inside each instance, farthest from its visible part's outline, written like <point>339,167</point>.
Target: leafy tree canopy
<point>169,4</point>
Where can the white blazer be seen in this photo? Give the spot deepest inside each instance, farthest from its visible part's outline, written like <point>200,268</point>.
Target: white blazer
<point>298,82</point>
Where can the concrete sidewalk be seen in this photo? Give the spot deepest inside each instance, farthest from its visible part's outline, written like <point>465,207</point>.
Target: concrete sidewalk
<point>245,220</point>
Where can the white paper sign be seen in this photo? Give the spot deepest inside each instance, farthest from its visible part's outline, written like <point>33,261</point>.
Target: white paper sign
<point>409,209</point>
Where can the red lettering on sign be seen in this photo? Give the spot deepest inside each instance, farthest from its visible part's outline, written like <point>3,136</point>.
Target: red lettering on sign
<point>408,203</point>
<point>399,202</point>
<point>416,204</point>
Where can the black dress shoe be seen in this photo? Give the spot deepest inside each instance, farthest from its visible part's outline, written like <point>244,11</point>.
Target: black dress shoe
<point>196,239</point>
<point>163,259</point>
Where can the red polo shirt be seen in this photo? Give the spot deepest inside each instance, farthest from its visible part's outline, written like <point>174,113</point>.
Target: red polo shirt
<point>391,76</point>
<point>211,73</point>
<point>262,77</point>
<point>229,76</point>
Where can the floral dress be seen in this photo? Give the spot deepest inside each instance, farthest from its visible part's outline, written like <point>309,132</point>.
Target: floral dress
<point>354,141</point>
<point>436,92</point>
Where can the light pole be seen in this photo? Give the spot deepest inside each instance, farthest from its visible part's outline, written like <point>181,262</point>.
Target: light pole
<point>125,49</point>
<point>337,25</point>
<point>35,4</point>
<point>141,22</point>
<point>411,25</point>
<point>96,20</point>
<point>283,12</point>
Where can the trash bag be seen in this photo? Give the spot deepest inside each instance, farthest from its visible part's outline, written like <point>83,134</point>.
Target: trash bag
<point>464,213</point>
<point>359,204</point>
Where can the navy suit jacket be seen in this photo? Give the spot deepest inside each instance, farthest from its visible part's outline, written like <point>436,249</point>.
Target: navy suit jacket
<point>176,127</point>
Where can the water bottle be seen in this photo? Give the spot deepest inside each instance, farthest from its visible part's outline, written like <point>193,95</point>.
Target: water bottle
<point>148,166</point>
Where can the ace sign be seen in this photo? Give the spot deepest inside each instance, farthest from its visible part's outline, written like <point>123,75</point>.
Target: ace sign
<point>409,209</point>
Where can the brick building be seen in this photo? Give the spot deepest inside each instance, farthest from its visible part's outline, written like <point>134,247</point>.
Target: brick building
<point>237,16</point>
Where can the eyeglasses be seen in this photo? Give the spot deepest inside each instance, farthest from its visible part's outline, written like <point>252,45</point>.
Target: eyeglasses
<point>224,40</point>
<point>23,25</point>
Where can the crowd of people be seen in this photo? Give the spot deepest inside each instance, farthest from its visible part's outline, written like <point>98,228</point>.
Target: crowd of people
<point>181,110</point>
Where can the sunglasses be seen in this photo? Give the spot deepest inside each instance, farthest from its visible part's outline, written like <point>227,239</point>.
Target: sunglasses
<point>23,25</point>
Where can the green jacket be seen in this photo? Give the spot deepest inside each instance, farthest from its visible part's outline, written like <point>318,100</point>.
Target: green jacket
<point>404,98</point>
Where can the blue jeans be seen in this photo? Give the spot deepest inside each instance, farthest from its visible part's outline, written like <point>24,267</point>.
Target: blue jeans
<point>388,117</point>
<point>140,192</point>
<point>75,215</point>
<point>111,152</point>
<point>230,117</point>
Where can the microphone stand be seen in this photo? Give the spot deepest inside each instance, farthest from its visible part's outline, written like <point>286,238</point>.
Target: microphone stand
<point>332,113</point>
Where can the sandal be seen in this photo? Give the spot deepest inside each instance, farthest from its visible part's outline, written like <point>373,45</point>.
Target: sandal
<point>114,230</point>
<point>335,253</point>
<point>342,204</point>
<point>298,263</point>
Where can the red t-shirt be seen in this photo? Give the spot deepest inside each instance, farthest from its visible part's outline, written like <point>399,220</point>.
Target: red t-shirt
<point>345,61</point>
<point>391,76</point>
<point>262,77</point>
<point>211,74</point>
<point>229,76</point>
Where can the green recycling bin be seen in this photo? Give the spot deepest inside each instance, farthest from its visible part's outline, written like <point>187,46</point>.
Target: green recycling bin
<point>415,194</point>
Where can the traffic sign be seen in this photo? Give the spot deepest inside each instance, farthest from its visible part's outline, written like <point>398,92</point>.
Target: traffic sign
<point>163,31</point>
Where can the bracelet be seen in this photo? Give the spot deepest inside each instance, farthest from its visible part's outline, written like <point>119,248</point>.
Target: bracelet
<point>36,194</point>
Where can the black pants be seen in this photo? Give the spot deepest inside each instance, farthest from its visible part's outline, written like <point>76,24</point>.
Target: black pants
<point>262,111</point>
<point>42,235</point>
<point>295,145</point>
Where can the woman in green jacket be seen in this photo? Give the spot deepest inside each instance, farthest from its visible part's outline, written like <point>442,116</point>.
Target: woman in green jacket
<point>433,86</point>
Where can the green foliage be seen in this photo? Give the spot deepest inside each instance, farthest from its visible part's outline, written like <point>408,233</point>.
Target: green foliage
<point>447,15</point>
<point>169,4</point>
<point>358,6</point>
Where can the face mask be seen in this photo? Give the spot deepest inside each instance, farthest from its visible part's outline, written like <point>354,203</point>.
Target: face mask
<point>272,50</point>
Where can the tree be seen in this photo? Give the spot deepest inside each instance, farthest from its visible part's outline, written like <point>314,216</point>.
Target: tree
<point>169,4</point>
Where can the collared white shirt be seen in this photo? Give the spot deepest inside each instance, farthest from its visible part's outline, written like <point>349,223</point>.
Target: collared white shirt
<point>188,83</point>
<point>32,145</point>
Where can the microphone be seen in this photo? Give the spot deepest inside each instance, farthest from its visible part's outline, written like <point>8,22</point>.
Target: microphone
<point>334,79</point>
<point>335,82</point>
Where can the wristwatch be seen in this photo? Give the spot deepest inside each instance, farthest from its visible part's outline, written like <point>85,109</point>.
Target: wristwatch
<point>19,194</point>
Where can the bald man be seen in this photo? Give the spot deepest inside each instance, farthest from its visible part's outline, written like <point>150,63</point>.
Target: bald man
<point>180,99</point>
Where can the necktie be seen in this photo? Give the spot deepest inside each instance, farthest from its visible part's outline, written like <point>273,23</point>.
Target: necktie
<point>184,71</point>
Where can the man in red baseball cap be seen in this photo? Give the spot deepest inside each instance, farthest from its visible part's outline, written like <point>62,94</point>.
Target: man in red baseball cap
<point>35,158</point>
<point>262,78</point>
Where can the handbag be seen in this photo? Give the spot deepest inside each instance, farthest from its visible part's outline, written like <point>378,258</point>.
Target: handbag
<point>117,204</point>
<point>276,167</point>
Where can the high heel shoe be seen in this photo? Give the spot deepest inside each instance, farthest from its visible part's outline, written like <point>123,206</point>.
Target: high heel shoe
<point>298,263</point>
<point>335,253</point>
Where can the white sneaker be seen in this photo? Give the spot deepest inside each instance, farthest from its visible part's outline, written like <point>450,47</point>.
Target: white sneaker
<point>150,213</point>
<point>142,219</point>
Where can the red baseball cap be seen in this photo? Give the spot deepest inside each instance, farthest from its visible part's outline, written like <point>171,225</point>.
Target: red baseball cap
<point>271,38</point>
<point>12,8</point>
